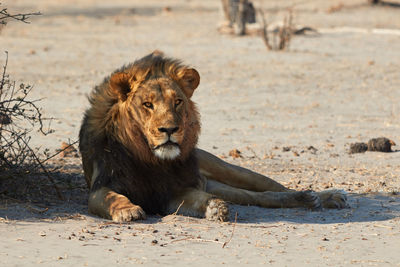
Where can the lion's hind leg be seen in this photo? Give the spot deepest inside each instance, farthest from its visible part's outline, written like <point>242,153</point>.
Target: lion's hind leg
<point>333,199</point>
<point>266,199</point>
<point>195,202</point>
<point>213,168</point>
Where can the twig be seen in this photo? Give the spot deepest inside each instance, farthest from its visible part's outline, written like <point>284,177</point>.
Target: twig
<point>23,17</point>
<point>254,153</point>
<point>233,231</point>
<point>195,239</point>
<point>39,211</point>
<point>383,226</point>
<point>180,205</point>
<point>59,151</point>
<point>263,226</point>
<point>4,75</point>
<point>264,32</point>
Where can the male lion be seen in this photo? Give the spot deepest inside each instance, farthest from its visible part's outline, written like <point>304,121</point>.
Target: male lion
<point>138,144</point>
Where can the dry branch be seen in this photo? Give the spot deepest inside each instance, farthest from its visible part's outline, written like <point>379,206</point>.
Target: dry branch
<point>23,17</point>
<point>233,231</point>
<point>264,32</point>
<point>384,3</point>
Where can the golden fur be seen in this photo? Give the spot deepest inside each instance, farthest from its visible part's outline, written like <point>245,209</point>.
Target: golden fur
<point>138,140</point>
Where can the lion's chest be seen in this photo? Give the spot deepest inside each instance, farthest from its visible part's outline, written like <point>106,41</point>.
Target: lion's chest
<point>153,186</point>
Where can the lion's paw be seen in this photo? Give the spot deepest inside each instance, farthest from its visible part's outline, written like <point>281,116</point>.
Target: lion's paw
<point>309,199</point>
<point>333,199</point>
<point>217,210</point>
<point>127,214</point>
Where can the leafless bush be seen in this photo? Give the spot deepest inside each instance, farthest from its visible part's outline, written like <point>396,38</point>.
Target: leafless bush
<point>281,36</point>
<point>19,116</point>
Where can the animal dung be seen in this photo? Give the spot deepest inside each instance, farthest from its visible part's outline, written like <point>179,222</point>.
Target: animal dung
<point>380,144</point>
<point>358,148</point>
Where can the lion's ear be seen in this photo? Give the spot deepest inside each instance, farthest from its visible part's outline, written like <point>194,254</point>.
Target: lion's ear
<point>189,79</point>
<point>119,83</point>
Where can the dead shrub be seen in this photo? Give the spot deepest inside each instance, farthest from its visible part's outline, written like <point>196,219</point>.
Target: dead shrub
<point>19,116</point>
<point>281,36</point>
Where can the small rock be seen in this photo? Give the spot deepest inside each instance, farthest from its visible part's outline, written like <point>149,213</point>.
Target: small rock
<point>235,153</point>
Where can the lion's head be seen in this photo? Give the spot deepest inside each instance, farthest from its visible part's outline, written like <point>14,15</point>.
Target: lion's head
<point>146,106</point>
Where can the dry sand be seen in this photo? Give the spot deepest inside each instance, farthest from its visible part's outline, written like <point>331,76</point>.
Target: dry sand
<point>327,91</point>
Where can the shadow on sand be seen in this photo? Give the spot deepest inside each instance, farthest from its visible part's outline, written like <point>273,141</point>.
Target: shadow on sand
<point>363,208</point>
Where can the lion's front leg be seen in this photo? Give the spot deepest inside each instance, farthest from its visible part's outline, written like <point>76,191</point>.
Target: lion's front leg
<point>108,204</point>
<point>195,202</point>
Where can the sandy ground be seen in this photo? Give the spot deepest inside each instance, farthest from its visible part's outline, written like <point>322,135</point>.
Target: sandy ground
<point>327,91</point>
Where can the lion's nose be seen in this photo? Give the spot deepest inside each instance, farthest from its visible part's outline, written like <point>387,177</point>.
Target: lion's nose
<point>169,131</point>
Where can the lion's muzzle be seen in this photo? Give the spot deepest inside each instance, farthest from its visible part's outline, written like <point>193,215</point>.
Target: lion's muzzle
<point>169,147</point>
<point>168,150</point>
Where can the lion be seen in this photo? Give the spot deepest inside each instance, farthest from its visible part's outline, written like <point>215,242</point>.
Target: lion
<point>138,145</point>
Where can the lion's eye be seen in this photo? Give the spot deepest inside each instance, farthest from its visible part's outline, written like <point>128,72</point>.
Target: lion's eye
<point>178,102</point>
<point>148,105</point>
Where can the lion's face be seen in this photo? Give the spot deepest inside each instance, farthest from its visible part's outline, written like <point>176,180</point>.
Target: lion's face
<point>162,110</point>
<point>161,107</point>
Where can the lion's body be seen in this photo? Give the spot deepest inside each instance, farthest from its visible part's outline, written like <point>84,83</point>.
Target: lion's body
<point>138,145</point>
